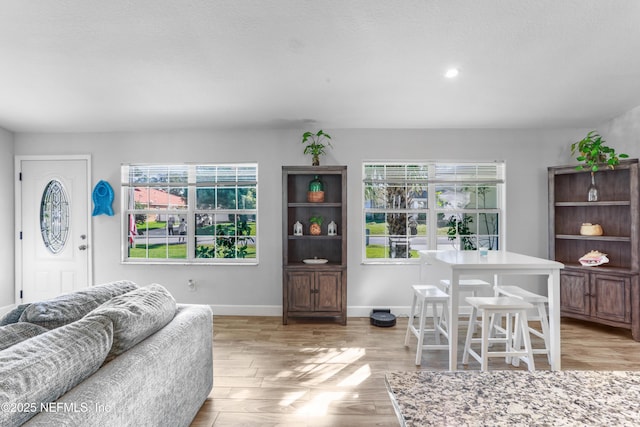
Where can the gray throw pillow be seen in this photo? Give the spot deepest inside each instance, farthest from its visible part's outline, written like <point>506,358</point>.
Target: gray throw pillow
<point>43,368</point>
<point>17,332</point>
<point>136,315</point>
<point>73,306</point>
<point>14,315</point>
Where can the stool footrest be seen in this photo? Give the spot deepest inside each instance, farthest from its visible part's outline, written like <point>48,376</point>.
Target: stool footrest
<point>518,292</point>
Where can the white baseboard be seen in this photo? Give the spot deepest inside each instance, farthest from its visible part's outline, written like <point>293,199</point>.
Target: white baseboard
<point>276,310</point>
<point>246,310</point>
<point>365,311</point>
<point>399,311</point>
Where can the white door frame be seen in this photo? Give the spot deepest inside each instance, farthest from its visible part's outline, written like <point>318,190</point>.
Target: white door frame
<point>18,214</point>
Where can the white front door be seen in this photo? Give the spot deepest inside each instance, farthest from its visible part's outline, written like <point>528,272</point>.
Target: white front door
<point>53,252</point>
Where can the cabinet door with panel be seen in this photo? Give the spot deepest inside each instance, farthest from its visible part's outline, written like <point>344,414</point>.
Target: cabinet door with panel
<point>299,293</point>
<point>602,296</point>
<point>314,291</point>
<point>574,292</point>
<point>611,297</point>
<point>328,291</point>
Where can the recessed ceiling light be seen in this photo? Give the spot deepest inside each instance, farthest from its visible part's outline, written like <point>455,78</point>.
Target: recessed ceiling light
<point>451,73</point>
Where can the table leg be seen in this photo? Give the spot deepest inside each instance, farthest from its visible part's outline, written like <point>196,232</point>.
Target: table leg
<point>453,321</point>
<point>553,292</point>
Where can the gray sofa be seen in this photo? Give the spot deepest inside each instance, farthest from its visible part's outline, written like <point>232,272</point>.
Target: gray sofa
<point>121,355</point>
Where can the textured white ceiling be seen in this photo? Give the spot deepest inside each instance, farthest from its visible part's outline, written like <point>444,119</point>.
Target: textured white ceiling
<point>108,65</point>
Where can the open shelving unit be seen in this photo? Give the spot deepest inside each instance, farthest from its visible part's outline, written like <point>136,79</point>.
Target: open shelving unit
<point>608,294</point>
<point>314,290</point>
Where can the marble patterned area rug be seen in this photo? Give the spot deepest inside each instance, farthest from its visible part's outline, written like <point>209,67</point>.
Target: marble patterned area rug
<point>516,398</point>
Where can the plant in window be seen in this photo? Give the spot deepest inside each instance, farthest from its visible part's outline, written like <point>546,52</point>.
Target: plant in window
<point>458,224</point>
<point>233,247</point>
<point>489,221</point>
<point>226,247</point>
<point>203,251</point>
<point>316,145</point>
<point>244,231</point>
<point>460,227</point>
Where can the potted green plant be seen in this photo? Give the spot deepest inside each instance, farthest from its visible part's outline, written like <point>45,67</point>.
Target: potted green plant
<point>460,228</point>
<point>592,153</point>
<point>316,223</point>
<point>316,145</point>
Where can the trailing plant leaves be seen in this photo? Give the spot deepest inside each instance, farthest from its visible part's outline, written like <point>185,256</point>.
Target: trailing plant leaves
<point>592,151</point>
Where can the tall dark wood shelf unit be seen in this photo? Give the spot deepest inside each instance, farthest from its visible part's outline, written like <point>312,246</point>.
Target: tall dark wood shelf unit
<point>314,290</point>
<point>608,294</point>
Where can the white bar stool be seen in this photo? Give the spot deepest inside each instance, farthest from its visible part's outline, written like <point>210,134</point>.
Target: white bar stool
<point>490,306</point>
<point>539,302</point>
<point>423,296</point>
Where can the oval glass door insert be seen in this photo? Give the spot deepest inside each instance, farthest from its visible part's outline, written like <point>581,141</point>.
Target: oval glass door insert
<point>54,216</point>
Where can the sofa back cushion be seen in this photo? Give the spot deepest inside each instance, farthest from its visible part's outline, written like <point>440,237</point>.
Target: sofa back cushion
<point>14,315</point>
<point>70,307</point>
<point>136,315</point>
<point>17,332</point>
<point>39,370</point>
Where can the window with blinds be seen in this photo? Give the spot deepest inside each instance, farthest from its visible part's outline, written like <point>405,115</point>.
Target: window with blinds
<point>411,206</point>
<point>190,213</point>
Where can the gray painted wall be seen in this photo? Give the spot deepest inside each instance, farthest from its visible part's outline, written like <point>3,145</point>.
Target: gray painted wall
<point>623,132</point>
<point>257,289</point>
<point>7,184</point>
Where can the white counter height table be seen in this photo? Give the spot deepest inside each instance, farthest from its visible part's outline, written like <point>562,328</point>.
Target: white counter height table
<point>498,263</point>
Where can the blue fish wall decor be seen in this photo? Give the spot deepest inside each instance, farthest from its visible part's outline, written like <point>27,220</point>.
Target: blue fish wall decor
<point>102,199</point>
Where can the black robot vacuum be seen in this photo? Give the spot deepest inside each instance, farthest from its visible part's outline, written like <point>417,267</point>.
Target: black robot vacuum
<point>382,318</point>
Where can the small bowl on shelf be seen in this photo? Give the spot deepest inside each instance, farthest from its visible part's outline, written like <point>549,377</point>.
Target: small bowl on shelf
<point>315,261</point>
<point>588,229</point>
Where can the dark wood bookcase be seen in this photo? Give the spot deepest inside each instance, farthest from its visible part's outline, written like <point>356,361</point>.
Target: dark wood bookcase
<point>608,294</point>
<point>314,290</point>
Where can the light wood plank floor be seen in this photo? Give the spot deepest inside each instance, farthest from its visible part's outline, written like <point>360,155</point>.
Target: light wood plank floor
<point>313,373</point>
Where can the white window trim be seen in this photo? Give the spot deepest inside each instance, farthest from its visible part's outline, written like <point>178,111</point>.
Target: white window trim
<point>190,214</point>
<point>432,217</point>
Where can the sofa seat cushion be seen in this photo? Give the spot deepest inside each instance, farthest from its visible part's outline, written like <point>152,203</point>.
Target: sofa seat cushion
<point>70,307</point>
<point>17,332</point>
<point>41,369</point>
<point>136,315</point>
<point>14,315</point>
